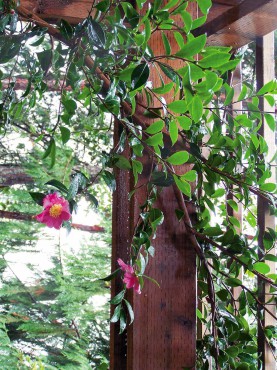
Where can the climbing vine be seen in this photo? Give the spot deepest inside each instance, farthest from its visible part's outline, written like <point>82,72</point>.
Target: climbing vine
<point>172,117</point>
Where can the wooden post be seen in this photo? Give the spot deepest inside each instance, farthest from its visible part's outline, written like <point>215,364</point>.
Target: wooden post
<point>163,335</point>
<point>264,73</point>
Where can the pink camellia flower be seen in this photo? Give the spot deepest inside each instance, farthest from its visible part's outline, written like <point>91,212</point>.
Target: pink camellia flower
<point>56,210</point>
<point>130,278</point>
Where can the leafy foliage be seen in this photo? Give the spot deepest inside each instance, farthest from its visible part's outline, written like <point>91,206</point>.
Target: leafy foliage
<point>193,104</point>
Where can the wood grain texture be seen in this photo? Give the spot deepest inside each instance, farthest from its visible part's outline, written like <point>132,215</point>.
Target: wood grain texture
<point>264,73</point>
<point>240,24</point>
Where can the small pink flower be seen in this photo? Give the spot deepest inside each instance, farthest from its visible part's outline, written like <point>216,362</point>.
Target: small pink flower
<point>56,210</point>
<point>130,278</point>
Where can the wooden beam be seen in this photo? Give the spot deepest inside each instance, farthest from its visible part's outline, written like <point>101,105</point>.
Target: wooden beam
<point>230,22</point>
<point>163,335</point>
<point>240,24</point>
<point>264,73</point>
<point>74,11</point>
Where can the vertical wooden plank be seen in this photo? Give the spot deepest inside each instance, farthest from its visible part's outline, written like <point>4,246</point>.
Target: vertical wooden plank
<point>237,105</point>
<point>121,233</point>
<point>163,335</point>
<point>264,73</point>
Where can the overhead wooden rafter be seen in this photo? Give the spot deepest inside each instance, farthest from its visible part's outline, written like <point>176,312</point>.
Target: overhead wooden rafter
<point>231,22</point>
<point>240,24</point>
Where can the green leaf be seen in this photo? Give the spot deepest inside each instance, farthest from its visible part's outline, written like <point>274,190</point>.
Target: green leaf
<point>233,282</point>
<point>270,257</point>
<point>109,179</point>
<point>96,33</point>
<point>140,75</point>
<point>270,187</point>
<point>51,151</point>
<point>65,132</point>
<point>187,20</point>
<point>37,197</point>
<point>122,162</point>
<point>163,89</point>
<point>155,127</point>
<point>255,140</point>
<point>243,93</point>
<point>270,99</point>
<point>103,6</point>
<point>230,94</point>
<point>214,60</point>
<point>130,13</point>
<point>130,311</point>
<point>122,322</point>
<point>233,204</point>
<point>45,59</point>
<point>178,158</point>
<point>268,87</point>
<point>155,140</point>
<point>204,5</point>
<point>197,108</point>
<point>70,105</point>
<point>118,298</point>
<point>183,186</point>
<point>218,193</point>
<point>213,231</point>
<point>116,314</point>
<point>166,43</point>
<point>111,276</point>
<point>261,267</point>
<point>190,176</point>
<point>270,121</point>
<point>192,47</point>
<point>185,122</point>
<point>178,106</point>
<point>162,179</point>
<point>58,185</point>
<point>173,132</point>
<point>232,351</point>
<point>66,29</point>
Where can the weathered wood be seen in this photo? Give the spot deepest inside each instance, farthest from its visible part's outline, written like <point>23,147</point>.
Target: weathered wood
<point>240,24</point>
<point>264,73</point>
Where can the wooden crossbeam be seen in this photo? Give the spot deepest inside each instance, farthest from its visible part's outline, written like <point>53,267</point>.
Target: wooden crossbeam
<point>240,24</point>
<point>231,22</point>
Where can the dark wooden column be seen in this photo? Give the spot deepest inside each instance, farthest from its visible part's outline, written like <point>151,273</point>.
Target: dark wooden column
<point>163,335</point>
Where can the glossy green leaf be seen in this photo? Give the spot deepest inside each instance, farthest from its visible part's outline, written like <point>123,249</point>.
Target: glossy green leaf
<point>155,140</point>
<point>166,43</point>
<point>178,106</point>
<point>178,158</point>
<point>192,47</point>
<point>155,127</point>
<point>197,108</point>
<point>183,185</point>
<point>118,298</point>
<point>185,122</point>
<point>270,121</point>
<point>58,185</point>
<point>65,132</point>
<point>173,132</point>
<point>261,267</point>
<point>190,176</point>
<point>140,75</point>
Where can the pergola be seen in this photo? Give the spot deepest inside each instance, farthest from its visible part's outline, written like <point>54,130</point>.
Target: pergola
<point>164,333</point>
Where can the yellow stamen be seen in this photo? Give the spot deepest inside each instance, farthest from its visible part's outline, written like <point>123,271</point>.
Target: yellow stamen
<point>56,210</point>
